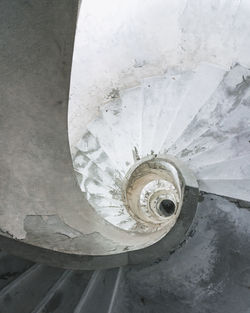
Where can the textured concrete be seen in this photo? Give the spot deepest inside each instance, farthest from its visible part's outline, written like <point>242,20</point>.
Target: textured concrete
<point>209,273</point>
<point>40,201</point>
<point>27,287</point>
<point>185,115</point>
<point>175,103</point>
<point>43,214</point>
<point>41,205</point>
<point>120,43</point>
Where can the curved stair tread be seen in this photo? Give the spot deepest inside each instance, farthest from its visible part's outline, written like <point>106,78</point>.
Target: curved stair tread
<point>238,168</point>
<point>233,188</point>
<point>114,148</point>
<point>23,294</point>
<point>11,267</point>
<point>154,90</point>
<point>205,81</point>
<point>177,85</point>
<point>123,115</point>
<point>102,286</point>
<point>65,294</point>
<point>231,148</point>
<point>51,292</point>
<point>232,92</point>
<point>132,101</point>
<point>233,123</point>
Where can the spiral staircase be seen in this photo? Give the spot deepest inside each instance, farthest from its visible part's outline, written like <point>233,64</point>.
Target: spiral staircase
<point>136,196</point>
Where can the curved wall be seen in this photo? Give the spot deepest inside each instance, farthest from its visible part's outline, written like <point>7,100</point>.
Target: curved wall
<point>120,42</point>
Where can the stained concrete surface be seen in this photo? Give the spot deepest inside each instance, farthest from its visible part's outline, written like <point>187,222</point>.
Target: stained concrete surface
<point>208,274</point>
<point>36,172</point>
<point>37,184</point>
<point>118,43</point>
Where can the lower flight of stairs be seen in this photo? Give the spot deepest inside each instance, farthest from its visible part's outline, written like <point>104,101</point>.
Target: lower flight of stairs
<point>208,273</point>
<point>27,287</point>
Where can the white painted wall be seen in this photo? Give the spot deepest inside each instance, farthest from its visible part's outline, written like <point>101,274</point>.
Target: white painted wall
<point>119,42</point>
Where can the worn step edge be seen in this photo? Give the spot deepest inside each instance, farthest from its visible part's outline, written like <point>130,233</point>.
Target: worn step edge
<point>115,290</point>
<point>52,291</point>
<point>88,290</point>
<point>19,279</point>
<point>227,187</point>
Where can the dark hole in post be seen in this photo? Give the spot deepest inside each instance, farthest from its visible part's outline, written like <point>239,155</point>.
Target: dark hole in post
<point>167,207</point>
